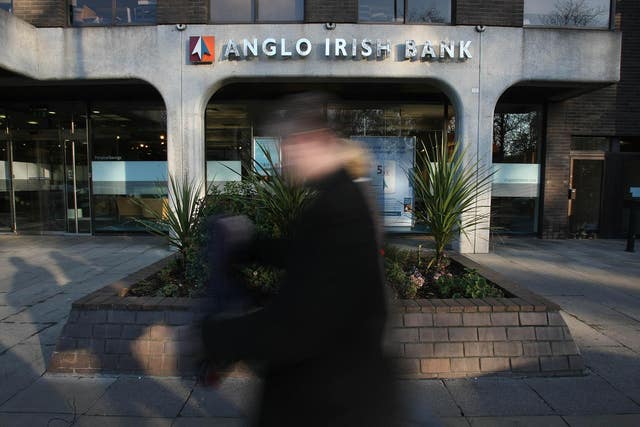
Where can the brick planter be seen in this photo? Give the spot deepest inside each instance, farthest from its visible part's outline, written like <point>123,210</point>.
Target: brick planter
<point>445,338</point>
<point>523,334</point>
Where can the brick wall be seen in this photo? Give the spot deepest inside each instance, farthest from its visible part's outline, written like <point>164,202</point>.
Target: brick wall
<point>506,13</point>
<point>183,11</point>
<point>331,11</point>
<point>42,13</point>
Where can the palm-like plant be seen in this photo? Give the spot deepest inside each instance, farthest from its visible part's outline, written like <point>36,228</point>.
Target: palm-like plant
<point>279,200</point>
<point>177,221</point>
<point>449,188</point>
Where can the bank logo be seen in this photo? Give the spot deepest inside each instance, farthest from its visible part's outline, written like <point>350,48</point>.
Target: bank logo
<point>201,49</point>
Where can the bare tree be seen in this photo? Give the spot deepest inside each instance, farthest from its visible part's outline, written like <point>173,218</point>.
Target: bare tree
<point>425,15</point>
<point>574,13</point>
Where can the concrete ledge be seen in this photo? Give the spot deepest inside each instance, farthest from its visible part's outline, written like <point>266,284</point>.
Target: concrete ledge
<point>437,338</point>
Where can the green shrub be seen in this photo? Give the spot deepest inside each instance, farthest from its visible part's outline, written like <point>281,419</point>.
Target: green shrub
<point>469,285</point>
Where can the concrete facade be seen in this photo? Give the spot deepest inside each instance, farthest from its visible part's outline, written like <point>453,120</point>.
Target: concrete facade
<point>501,58</point>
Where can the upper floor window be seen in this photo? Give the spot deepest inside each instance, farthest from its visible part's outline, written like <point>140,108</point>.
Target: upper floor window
<point>112,12</point>
<point>407,11</point>
<point>245,11</point>
<point>568,13</point>
<point>6,5</point>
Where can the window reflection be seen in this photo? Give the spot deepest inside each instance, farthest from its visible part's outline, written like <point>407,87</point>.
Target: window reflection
<point>109,12</point>
<point>417,11</point>
<point>567,13</point>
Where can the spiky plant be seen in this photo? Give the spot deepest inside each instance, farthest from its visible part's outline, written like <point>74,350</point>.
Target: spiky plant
<point>449,188</point>
<point>178,219</point>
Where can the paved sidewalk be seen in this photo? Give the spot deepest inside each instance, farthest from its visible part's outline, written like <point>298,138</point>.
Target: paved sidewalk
<point>596,283</point>
<point>40,276</point>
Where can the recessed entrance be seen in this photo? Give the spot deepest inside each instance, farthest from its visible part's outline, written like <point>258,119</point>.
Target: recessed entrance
<point>45,171</point>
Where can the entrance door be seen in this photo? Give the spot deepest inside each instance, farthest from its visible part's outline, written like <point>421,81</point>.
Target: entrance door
<point>586,188</point>
<point>48,174</point>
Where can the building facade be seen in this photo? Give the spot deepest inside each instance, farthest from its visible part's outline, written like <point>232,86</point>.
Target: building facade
<point>101,100</point>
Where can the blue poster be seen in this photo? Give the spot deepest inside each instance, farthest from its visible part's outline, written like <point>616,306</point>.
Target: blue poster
<point>393,157</point>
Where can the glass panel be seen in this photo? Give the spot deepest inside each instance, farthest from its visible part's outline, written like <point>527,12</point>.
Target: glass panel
<point>232,11</point>
<point>5,5</point>
<point>280,10</point>
<point>38,168</point>
<point>91,12</point>
<point>228,142</point>
<point>131,12</point>
<point>129,163</point>
<point>5,176</point>
<point>516,182</point>
<point>567,13</point>
<point>434,11</point>
<point>587,181</point>
<point>381,10</point>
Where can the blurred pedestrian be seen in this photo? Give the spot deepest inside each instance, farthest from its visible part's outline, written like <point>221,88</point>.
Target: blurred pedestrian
<point>321,337</point>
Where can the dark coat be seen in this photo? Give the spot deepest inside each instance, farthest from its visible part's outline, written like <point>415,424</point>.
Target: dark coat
<point>321,336</point>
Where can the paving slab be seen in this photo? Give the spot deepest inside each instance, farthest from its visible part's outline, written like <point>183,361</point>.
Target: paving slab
<point>546,421</point>
<point>628,420</point>
<point>489,396</point>
<point>213,422</point>
<point>233,397</point>
<point>98,421</point>
<point>35,420</point>
<point>619,366</point>
<point>53,394</point>
<point>424,399</point>
<point>15,382</point>
<point>582,396</point>
<point>453,422</point>
<point>143,397</point>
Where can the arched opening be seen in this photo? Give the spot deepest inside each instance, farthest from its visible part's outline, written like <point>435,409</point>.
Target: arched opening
<point>76,156</point>
<point>395,120</point>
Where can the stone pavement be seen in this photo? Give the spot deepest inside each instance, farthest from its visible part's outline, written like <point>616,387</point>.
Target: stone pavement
<point>596,283</point>
<point>40,276</point>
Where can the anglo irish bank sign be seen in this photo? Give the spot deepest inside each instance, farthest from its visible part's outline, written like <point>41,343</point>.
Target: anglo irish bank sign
<point>426,50</point>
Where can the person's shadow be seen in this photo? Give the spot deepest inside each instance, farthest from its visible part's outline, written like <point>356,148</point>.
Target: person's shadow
<point>28,336</point>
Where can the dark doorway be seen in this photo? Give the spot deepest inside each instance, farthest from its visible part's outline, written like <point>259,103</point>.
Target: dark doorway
<point>586,187</point>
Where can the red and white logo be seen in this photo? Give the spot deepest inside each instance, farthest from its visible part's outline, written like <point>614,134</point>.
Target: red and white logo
<point>202,49</point>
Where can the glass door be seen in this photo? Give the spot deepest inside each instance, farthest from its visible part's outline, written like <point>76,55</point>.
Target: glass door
<point>38,177</point>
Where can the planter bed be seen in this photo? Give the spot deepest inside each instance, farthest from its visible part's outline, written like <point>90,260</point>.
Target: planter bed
<point>436,338</point>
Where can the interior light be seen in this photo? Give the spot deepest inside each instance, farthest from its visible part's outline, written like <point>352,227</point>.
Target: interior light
<point>141,145</point>
<point>2,116</point>
<point>52,112</point>
<point>162,137</point>
<point>117,136</point>
<point>95,111</point>
<point>32,122</point>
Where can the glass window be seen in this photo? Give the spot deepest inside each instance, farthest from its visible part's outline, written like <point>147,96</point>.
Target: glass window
<point>6,5</point>
<point>129,163</point>
<point>417,11</point>
<point>280,10</point>
<point>516,166</point>
<point>429,11</point>
<point>567,13</point>
<point>257,11</point>
<point>109,12</point>
<point>232,11</point>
